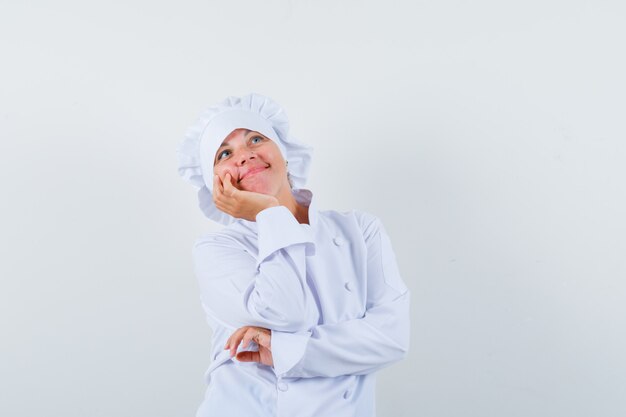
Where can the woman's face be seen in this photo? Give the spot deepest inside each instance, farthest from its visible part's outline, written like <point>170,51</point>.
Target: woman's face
<point>254,162</point>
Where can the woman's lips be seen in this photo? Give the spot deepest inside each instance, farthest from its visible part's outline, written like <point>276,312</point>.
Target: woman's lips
<point>252,172</point>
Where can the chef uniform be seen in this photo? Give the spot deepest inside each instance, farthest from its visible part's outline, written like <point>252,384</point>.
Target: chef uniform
<point>329,291</point>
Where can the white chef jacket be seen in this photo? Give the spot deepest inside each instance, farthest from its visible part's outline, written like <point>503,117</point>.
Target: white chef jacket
<point>331,293</point>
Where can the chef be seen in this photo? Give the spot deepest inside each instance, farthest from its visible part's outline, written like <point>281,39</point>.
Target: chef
<point>305,305</point>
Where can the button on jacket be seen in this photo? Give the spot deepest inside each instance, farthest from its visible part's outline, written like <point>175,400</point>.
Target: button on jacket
<point>331,293</point>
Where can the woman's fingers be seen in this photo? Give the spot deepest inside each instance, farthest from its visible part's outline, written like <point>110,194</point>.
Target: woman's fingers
<point>238,203</point>
<point>229,189</point>
<point>223,193</point>
<point>221,198</point>
<point>234,340</point>
<point>248,336</point>
<point>249,356</point>
<point>264,338</point>
<point>217,184</point>
<point>217,190</point>
<point>245,334</point>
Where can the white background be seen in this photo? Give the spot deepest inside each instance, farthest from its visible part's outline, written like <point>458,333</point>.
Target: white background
<point>487,135</point>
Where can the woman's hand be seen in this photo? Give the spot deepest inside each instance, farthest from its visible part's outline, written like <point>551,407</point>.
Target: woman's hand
<point>262,337</point>
<point>239,203</point>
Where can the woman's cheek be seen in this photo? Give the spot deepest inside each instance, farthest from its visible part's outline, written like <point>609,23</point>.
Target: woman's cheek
<point>221,172</point>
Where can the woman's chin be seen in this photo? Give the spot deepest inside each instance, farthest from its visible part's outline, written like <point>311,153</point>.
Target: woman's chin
<point>257,188</point>
<point>261,184</point>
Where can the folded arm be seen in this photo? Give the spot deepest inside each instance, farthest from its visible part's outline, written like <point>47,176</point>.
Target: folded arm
<point>267,290</point>
<point>361,345</point>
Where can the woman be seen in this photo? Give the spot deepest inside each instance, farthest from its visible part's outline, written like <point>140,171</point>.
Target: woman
<point>305,305</point>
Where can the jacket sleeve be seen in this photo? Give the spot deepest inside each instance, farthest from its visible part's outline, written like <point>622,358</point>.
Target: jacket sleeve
<point>267,289</point>
<point>361,345</point>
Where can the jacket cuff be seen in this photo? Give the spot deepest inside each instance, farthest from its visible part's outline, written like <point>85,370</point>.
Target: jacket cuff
<point>277,229</point>
<point>287,350</point>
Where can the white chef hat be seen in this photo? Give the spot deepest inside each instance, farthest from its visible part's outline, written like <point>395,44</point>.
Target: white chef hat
<point>196,152</point>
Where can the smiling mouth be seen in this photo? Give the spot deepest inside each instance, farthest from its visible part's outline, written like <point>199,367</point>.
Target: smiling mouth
<point>252,172</point>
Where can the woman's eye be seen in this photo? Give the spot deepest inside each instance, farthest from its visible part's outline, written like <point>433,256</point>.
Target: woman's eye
<point>222,154</point>
<point>255,139</point>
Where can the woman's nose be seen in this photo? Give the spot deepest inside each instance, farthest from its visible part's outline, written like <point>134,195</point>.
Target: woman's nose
<point>244,156</point>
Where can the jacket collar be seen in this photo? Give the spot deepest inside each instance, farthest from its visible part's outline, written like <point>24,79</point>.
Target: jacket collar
<point>305,197</point>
